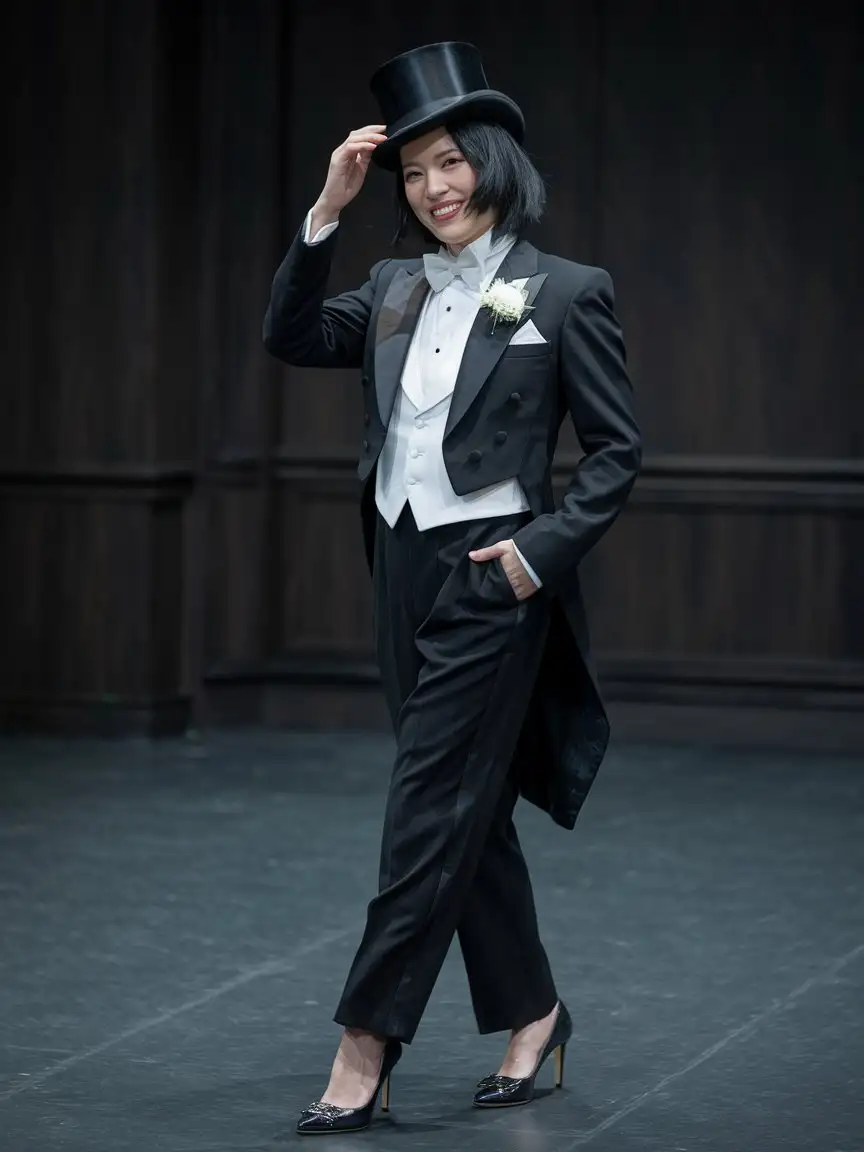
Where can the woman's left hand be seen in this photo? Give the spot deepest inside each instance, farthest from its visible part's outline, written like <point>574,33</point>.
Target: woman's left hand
<point>505,551</point>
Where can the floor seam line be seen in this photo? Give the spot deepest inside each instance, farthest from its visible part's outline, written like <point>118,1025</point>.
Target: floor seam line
<point>269,968</point>
<point>743,1031</point>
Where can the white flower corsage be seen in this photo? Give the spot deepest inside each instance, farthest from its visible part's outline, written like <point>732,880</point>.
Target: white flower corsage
<point>505,301</point>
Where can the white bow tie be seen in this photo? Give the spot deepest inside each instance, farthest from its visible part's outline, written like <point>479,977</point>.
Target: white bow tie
<point>441,268</point>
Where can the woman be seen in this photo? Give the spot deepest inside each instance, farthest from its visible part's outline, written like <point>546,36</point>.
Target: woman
<point>470,359</point>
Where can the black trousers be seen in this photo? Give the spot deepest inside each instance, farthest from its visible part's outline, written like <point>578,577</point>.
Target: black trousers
<point>458,655</point>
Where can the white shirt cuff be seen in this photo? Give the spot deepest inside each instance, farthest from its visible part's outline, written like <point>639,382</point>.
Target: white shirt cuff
<point>529,569</point>
<point>321,234</point>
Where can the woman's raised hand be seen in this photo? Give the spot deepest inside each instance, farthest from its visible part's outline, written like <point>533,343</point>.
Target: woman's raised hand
<point>349,164</point>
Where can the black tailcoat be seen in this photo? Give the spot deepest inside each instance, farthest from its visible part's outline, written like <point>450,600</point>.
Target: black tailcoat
<point>505,415</point>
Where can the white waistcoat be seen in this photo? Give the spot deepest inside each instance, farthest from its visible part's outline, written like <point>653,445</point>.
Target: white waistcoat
<point>411,465</point>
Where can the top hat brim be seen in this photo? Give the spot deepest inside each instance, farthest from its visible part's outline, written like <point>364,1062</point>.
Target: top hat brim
<point>485,104</point>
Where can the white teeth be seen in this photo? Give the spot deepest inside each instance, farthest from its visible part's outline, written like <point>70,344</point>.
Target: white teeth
<point>446,211</point>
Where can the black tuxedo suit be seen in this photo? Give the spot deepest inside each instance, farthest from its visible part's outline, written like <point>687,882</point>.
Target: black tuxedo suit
<point>507,408</point>
<point>515,708</point>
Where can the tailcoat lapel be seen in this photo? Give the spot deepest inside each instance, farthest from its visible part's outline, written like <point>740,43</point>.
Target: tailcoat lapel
<point>397,320</point>
<point>398,316</point>
<point>486,343</point>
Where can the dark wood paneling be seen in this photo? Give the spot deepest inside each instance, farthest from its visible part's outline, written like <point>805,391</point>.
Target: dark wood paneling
<point>243,155</point>
<point>711,582</point>
<point>179,513</point>
<point>237,617</point>
<point>833,685</point>
<point>98,400</point>
<point>71,566</point>
<point>704,533</point>
<point>326,593</point>
<point>730,188</point>
<point>90,607</point>
<point>672,160</point>
<point>771,484</point>
<point>96,219</point>
<point>230,547</point>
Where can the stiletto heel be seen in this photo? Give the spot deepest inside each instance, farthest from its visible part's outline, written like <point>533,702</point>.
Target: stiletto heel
<point>507,1091</point>
<point>319,1119</point>
<point>560,1052</point>
<point>385,1095</point>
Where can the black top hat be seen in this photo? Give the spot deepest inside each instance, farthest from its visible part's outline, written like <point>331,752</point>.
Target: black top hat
<point>424,88</point>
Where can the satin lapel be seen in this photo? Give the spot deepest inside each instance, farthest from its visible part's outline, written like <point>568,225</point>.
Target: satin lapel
<point>396,322</point>
<point>486,343</point>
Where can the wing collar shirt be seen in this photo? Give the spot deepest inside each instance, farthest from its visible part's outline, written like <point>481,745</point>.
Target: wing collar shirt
<point>411,466</point>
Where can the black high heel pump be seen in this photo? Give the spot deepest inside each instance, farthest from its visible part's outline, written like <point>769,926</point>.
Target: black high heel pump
<point>508,1091</point>
<point>319,1119</point>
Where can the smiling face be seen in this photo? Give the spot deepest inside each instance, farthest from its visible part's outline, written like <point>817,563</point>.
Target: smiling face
<point>439,182</point>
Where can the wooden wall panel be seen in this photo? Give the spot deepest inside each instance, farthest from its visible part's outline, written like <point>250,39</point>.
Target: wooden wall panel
<point>69,626</point>
<point>97,215</point>
<point>167,525</point>
<point>326,596</point>
<point>90,608</point>
<point>691,589</point>
<point>158,470</point>
<point>98,401</point>
<point>243,155</point>
<point>730,185</point>
<point>684,152</point>
<point>79,230</point>
<point>237,620</point>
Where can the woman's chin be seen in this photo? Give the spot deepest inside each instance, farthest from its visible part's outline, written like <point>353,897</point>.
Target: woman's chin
<point>448,233</point>
<point>456,238</point>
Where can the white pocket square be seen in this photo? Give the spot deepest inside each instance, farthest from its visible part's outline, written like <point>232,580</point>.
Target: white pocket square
<point>529,333</point>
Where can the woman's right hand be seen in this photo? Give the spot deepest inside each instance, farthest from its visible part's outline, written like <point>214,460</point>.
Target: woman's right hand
<point>349,164</point>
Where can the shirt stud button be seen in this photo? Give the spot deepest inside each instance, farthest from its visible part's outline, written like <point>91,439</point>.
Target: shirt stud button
<point>515,397</point>
<point>475,456</point>
<point>500,437</point>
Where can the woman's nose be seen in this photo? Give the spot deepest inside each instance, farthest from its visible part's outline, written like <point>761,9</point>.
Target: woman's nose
<point>436,185</point>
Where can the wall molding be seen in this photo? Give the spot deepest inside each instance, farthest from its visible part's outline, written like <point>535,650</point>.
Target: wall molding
<point>86,715</point>
<point>327,668</point>
<point>776,485</point>
<point>772,484</point>
<point>84,481</point>
<point>746,681</point>
<point>740,680</point>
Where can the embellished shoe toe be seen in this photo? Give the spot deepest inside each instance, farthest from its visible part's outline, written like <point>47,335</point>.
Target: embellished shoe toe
<point>319,1118</point>
<point>503,1091</point>
<point>508,1091</point>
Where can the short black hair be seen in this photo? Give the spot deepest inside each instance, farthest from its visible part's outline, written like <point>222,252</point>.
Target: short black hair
<point>506,180</point>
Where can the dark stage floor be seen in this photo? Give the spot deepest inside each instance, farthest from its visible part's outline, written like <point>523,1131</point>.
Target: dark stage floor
<point>177,920</point>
